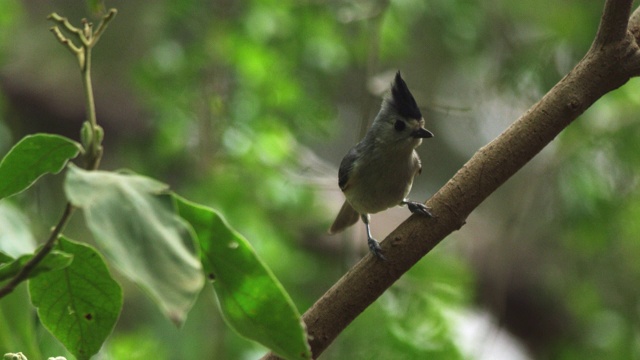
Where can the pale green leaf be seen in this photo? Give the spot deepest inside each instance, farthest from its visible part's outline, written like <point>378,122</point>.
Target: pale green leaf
<point>15,233</point>
<point>134,221</point>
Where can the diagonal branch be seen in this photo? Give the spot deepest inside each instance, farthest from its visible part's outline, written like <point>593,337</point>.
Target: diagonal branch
<point>604,68</point>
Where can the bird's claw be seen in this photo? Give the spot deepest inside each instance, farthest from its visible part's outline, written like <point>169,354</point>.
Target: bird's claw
<point>374,247</point>
<point>416,207</point>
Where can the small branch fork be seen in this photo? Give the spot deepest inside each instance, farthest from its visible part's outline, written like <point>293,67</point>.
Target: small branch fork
<point>612,60</point>
<point>91,132</point>
<point>86,36</point>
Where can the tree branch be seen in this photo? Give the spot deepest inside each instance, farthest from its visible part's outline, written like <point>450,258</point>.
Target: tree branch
<point>604,68</point>
<point>614,22</point>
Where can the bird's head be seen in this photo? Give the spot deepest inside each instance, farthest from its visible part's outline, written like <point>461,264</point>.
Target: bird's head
<point>400,121</point>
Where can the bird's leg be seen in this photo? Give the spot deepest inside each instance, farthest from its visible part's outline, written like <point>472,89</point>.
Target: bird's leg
<point>374,245</point>
<point>416,207</point>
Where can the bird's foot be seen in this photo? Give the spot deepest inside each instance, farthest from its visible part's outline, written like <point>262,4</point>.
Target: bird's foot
<point>374,247</point>
<point>420,208</point>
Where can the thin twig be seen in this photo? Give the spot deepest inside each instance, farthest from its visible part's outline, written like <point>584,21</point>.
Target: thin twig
<point>103,24</point>
<point>64,22</point>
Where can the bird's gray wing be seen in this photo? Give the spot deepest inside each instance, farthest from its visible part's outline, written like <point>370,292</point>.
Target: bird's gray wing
<point>346,168</point>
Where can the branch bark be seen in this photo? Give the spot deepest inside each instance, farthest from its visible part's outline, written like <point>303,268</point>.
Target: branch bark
<point>612,60</point>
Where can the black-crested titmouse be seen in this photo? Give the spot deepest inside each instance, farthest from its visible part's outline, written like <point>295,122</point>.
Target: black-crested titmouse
<point>378,172</point>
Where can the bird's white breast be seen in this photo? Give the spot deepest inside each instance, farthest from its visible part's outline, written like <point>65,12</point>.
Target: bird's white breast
<point>387,182</point>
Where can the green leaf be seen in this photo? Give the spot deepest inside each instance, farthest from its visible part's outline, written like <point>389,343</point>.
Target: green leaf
<point>55,260</point>
<point>15,233</point>
<point>32,157</point>
<point>4,258</point>
<point>251,298</point>
<point>134,221</point>
<point>79,304</point>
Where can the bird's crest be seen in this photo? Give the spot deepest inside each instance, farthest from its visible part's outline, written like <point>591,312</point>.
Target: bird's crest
<point>402,100</point>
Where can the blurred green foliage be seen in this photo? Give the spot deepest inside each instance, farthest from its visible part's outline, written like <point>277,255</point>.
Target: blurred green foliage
<point>599,226</point>
<point>234,94</point>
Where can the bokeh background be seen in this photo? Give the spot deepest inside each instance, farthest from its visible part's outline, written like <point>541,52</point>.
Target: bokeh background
<point>249,106</point>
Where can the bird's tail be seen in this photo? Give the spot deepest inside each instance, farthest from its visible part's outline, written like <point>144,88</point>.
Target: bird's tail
<point>346,217</point>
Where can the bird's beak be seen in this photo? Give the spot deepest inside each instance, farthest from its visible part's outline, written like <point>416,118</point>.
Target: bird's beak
<point>421,133</point>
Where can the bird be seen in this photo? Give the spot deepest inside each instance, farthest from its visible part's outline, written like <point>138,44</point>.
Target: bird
<point>377,173</point>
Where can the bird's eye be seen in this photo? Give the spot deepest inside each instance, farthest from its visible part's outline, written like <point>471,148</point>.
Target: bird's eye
<point>399,125</point>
